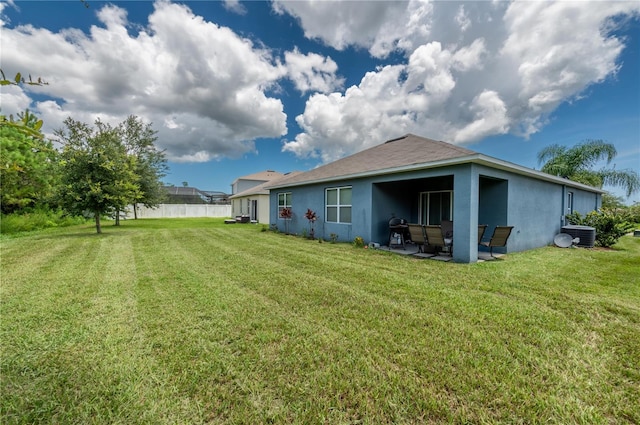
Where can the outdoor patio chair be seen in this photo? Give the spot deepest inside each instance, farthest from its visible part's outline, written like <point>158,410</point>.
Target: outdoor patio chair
<point>481,229</point>
<point>436,239</point>
<point>447,229</point>
<point>418,237</point>
<point>499,238</point>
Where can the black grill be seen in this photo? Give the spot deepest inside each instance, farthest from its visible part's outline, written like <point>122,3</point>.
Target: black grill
<point>397,222</point>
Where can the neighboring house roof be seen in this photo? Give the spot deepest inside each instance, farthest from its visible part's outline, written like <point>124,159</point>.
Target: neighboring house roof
<point>182,191</point>
<point>261,188</point>
<point>409,153</point>
<point>264,176</point>
<point>185,194</point>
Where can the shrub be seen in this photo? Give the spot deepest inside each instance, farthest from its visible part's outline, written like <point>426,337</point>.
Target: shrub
<point>610,226</point>
<point>37,220</point>
<point>358,242</point>
<point>634,213</point>
<point>312,217</point>
<point>286,214</point>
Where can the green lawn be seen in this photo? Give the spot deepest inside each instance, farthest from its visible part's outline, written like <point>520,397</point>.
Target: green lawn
<point>192,321</point>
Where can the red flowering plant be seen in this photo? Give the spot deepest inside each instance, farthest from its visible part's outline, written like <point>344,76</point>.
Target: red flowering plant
<point>312,217</point>
<point>286,214</point>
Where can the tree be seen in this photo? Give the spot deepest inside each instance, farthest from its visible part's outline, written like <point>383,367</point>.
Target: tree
<point>612,202</point>
<point>576,164</point>
<point>150,163</point>
<point>98,175</point>
<point>27,163</point>
<point>19,80</point>
<point>27,123</point>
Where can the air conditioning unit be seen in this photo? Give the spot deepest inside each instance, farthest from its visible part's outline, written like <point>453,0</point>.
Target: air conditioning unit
<point>586,234</point>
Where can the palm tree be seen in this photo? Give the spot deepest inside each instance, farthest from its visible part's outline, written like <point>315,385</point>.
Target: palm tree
<point>576,163</point>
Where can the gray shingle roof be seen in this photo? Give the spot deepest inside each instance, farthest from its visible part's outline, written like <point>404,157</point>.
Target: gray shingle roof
<point>401,152</point>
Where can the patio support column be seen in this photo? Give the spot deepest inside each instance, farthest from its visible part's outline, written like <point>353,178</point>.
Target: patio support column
<point>466,183</point>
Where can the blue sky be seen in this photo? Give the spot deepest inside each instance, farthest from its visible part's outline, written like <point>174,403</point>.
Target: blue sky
<point>234,88</point>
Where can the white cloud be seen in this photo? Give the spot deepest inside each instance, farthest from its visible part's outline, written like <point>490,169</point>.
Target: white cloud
<point>379,26</point>
<point>489,118</point>
<point>3,19</point>
<point>14,99</point>
<point>429,72</point>
<point>312,72</point>
<point>470,57</point>
<point>462,19</point>
<point>395,100</point>
<point>560,48</point>
<point>204,79</point>
<point>480,69</point>
<point>235,6</point>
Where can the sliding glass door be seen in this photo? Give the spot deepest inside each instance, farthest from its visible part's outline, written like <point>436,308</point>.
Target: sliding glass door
<point>436,206</point>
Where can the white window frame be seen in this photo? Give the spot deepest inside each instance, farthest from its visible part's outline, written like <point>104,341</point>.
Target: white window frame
<point>338,205</point>
<point>425,209</point>
<point>286,202</point>
<point>569,202</point>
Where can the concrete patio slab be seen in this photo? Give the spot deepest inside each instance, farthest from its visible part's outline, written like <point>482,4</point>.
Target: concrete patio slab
<point>412,250</point>
<point>485,256</point>
<point>409,249</point>
<point>423,255</point>
<point>441,258</point>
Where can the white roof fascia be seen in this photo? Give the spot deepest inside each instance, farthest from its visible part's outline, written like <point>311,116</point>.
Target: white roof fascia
<point>475,158</point>
<point>382,172</point>
<point>525,171</point>
<point>249,192</point>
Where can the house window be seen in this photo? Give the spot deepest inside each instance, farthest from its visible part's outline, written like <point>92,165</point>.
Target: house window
<point>284,201</point>
<point>338,202</point>
<point>436,206</point>
<point>569,202</point>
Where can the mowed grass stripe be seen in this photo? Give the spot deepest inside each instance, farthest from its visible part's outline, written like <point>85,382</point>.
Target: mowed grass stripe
<point>33,257</point>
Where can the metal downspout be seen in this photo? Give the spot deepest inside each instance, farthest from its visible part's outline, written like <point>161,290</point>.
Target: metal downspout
<point>563,220</point>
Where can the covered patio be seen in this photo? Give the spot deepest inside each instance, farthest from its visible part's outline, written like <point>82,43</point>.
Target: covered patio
<point>461,198</point>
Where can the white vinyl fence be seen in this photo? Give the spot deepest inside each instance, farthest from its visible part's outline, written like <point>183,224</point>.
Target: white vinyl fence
<point>181,211</point>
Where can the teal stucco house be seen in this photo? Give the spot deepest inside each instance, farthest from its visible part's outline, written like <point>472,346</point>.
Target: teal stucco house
<point>426,181</point>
